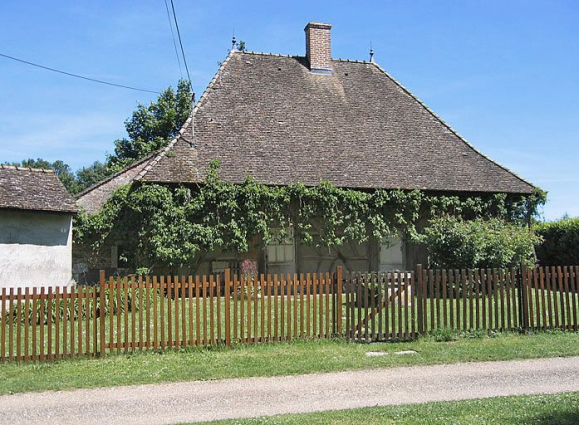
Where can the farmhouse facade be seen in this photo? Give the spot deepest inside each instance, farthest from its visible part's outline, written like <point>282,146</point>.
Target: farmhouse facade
<point>286,119</point>
<point>35,229</point>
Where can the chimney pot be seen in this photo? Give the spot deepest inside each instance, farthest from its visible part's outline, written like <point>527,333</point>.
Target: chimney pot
<point>319,47</point>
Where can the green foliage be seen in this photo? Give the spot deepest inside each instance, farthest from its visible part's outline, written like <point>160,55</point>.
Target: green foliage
<point>444,335</point>
<point>94,173</point>
<point>560,242</point>
<point>241,46</point>
<point>152,127</point>
<point>172,226</point>
<point>479,243</point>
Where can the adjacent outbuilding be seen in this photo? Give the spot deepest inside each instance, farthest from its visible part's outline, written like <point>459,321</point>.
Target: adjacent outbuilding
<point>36,215</point>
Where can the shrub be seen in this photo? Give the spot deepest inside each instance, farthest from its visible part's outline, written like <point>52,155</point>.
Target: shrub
<point>444,335</point>
<point>493,243</point>
<point>560,245</point>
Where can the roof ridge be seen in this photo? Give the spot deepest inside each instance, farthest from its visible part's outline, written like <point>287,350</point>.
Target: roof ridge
<point>279,55</point>
<point>351,60</point>
<point>251,52</point>
<point>161,153</point>
<point>18,168</point>
<point>448,126</point>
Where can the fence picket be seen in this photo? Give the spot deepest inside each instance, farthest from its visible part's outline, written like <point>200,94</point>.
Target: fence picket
<point>204,295</point>
<point>50,303</point>
<point>3,324</point>
<point>295,298</point>
<point>64,295</point>
<point>287,289</point>
<point>476,282</point>
<point>198,310</point>
<point>437,297</point>
<point>140,287</point>
<point>327,308</point>
<point>275,308</point>
<point>282,313</point>
<point>87,308</point>
<point>227,278</point>
<point>262,305</point>
<point>42,311</point>
<point>269,308</point>
<point>235,307</point>
<point>133,315</point>
<point>217,300</point>
<point>148,311</point>
<point>96,321</point>
<point>26,322</point>
<point>574,290</point>
<point>71,318</point>
<point>212,308</point>
<point>508,289</point>
<point>567,301</point>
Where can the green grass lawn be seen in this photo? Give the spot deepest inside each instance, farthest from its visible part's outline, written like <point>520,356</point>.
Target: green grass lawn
<point>557,409</point>
<point>273,359</point>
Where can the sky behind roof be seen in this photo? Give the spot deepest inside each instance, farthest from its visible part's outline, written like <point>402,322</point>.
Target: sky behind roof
<point>505,75</point>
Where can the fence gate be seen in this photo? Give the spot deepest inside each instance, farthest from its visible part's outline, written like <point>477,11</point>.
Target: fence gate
<point>381,306</point>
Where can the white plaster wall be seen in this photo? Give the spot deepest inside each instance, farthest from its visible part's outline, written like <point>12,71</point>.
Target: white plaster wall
<point>35,249</point>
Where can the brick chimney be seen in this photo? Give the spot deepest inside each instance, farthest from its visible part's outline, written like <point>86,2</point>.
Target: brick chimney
<point>319,47</point>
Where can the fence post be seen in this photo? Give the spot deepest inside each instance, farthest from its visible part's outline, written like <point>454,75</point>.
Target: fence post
<point>102,311</point>
<point>228,307</point>
<point>523,301</point>
<point>419,298</point>
<point>338,304</point>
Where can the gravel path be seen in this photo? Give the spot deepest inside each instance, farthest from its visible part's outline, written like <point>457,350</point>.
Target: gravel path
<point>236,398</point>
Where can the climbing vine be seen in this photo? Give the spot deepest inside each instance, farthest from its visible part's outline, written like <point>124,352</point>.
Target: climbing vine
<point>171,226</point>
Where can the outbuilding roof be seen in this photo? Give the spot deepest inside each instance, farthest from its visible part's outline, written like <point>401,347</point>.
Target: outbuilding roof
<point>33,189</point>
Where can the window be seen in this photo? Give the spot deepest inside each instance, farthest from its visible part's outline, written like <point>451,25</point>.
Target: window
<point>281,250</point>
<point>391,254</point>
<point>121,257</point>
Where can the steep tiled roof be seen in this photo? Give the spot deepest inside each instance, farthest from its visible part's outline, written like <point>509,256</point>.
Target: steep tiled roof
<point>34,190</point>
<point>94,197</point>
<point>269,116</point>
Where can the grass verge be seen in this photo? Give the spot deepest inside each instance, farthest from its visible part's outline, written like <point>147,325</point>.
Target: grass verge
<point>274,360</point>
<point>556,409</point>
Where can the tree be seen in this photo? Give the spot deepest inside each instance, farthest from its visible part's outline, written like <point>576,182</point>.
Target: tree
<point>88,176</point>
<point>152,127</point>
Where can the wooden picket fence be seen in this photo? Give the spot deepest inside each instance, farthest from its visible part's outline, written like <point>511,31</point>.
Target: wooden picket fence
<point>125,314</point>
<point>132,313</point>
<point>173,311</point>
<point>401,305</point>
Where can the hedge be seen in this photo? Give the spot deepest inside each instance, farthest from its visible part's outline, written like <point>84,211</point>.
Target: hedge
<point>560,244</point>
<point>481,243</point>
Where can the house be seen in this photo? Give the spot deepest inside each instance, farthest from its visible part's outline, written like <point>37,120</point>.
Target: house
<point>35,229</point>
<point>310,118</point>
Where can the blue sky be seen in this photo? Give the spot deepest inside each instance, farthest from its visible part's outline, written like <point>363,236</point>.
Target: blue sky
<point>504,74</point>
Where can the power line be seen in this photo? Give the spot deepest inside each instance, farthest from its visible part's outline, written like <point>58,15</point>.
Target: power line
<point>76,75</point>
<point>173,37</point>
<point>180,42</point>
